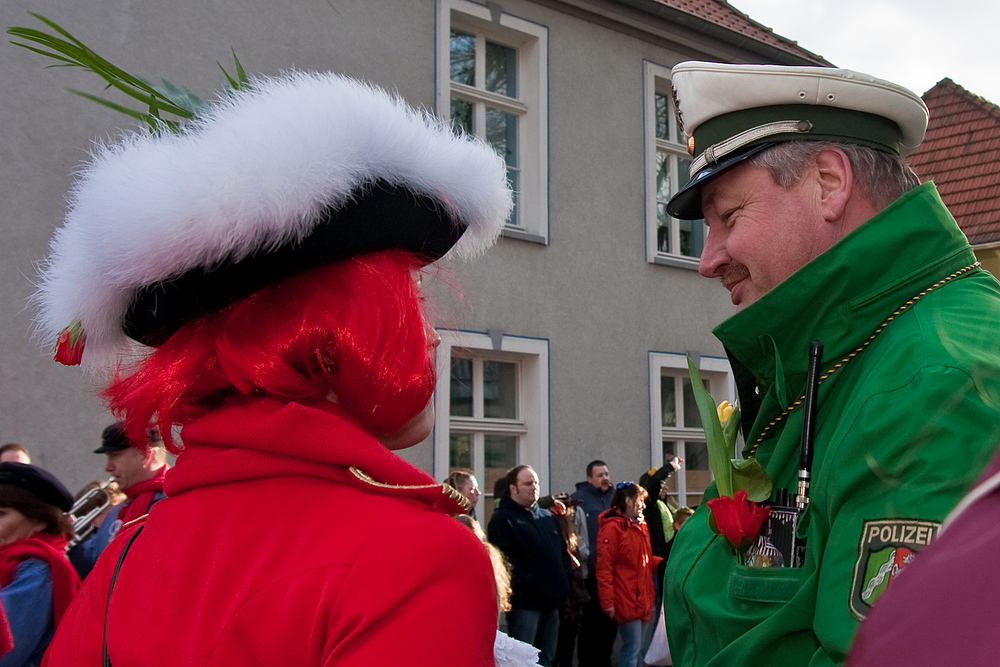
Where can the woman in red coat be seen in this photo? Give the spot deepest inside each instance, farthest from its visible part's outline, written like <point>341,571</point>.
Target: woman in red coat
<point>269,258</point>
<point>625,566</point>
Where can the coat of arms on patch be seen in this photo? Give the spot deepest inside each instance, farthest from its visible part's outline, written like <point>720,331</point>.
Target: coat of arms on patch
<point>886,547</point>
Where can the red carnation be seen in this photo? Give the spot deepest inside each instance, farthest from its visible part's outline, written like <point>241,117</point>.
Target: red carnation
<point>69,347</point>
<point>737,519</point>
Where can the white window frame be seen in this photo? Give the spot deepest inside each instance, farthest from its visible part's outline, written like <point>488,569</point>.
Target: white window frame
<point>532,426</point>
<point>531,106</point>
<point>656,78</point>
<point>718,373</point>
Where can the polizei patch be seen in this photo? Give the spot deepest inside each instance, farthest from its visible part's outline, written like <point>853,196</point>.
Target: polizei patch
<point>886,547</point>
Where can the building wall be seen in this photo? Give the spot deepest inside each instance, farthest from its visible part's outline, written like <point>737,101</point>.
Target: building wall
<point>589,292</point>
<point>989,258</point>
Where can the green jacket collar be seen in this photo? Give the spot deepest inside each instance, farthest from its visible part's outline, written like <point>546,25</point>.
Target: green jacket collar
<point>843,295</point>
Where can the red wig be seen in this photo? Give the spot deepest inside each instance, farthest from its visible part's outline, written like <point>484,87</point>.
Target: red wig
<point>353,332</point>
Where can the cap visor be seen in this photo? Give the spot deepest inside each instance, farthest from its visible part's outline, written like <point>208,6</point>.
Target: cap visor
<point>686,204</point>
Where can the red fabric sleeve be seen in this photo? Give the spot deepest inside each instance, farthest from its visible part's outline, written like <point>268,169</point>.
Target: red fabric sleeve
<point>608,545</point>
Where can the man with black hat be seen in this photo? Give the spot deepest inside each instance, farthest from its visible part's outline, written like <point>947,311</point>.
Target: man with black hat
<point>820,231</point>
<point>139,474</point>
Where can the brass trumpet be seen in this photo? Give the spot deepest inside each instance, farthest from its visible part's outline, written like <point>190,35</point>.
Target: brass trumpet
<point>83,525</point>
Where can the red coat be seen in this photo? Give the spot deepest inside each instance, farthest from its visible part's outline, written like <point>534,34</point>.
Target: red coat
<point>625,566</point>
<point>274,548</point>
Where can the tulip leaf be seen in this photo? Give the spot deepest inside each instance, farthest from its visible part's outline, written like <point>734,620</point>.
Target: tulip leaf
<point>749,476</point>
<point>65,50</point>
<point>720,451</point>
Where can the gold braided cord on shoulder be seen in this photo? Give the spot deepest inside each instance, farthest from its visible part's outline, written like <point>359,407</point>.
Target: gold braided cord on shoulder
<point>840,364</point>
<point>444,488</point>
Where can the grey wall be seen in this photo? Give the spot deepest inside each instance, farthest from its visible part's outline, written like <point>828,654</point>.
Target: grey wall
<point>590,292</point>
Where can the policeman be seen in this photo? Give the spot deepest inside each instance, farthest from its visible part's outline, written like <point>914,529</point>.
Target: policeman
<point>819,230</point>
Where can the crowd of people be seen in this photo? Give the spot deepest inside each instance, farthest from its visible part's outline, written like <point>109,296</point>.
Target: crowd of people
<point>254,283</point>
<point>571,571</point>
<point>579,570</point>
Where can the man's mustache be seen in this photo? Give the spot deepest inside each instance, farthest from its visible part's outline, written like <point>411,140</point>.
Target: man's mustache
<point>733,273</point>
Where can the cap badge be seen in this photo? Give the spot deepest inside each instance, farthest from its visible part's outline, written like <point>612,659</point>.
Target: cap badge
<point>716,152</point>
<point>677,110</point>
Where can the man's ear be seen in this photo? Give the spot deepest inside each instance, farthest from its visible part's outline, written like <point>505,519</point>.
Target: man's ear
<point>835,183</point>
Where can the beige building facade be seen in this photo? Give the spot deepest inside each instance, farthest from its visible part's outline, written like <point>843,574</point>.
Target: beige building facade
<point>567,341</point>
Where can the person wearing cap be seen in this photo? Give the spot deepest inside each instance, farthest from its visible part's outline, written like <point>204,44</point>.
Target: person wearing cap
<point>269,257</point>
<point>820,231</point>
<point>37,583</point>
<point>15,453</point>
<point>139,472</point>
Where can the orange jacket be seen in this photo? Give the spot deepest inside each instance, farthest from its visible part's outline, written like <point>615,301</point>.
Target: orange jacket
<point>625,566</point>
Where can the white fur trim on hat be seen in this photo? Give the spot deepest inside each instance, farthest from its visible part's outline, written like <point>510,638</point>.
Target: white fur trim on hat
<point>252,173</point>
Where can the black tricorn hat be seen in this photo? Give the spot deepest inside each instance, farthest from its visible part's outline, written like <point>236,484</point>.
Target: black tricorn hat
<point>288,175</point>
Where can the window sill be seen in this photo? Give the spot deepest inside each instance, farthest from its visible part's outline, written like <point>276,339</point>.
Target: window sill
<point>677,261</point>
<point>511,233</point>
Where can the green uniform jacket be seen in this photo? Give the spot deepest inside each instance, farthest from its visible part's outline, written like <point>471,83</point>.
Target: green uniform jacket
<point>903,430</point>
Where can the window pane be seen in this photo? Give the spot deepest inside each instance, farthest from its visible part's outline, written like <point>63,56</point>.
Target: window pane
<point>663,188</point>
<point>683,171</point>
<point>697,476</point>
<point>663,111</point>
<point>664,164</point>
<point>501,133</point>
<point>461,387</point>
<point>460,450</point>
<point>692,237</point>
<point>513,178</point>
<point>696,455</point>
<point>669,450</point>
<point>461,116</point>
<point>499,456</point>
<point>500,452</point>
<point>463,57</point>
<point>668,399</point>
<point>499,390</point>
<point>662,236</point>
<point>692,418</point>
<point>501,69</point>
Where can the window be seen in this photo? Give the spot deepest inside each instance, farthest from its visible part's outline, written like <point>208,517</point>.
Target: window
<point>492,409</point>
<point>494,86</point>
<point>675,423</point>
<point>668,240</point>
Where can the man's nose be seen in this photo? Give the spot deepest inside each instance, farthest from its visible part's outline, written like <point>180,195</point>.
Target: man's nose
<point>713,256</point>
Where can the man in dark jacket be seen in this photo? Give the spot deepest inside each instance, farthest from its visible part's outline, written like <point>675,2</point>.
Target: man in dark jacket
<point>597,631</point>
<point>530,539</point>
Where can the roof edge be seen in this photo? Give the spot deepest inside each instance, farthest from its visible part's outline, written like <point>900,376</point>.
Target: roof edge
<point>688,20</point>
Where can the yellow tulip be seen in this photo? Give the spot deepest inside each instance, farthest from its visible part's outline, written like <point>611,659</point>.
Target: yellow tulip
<point>725,410</point>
